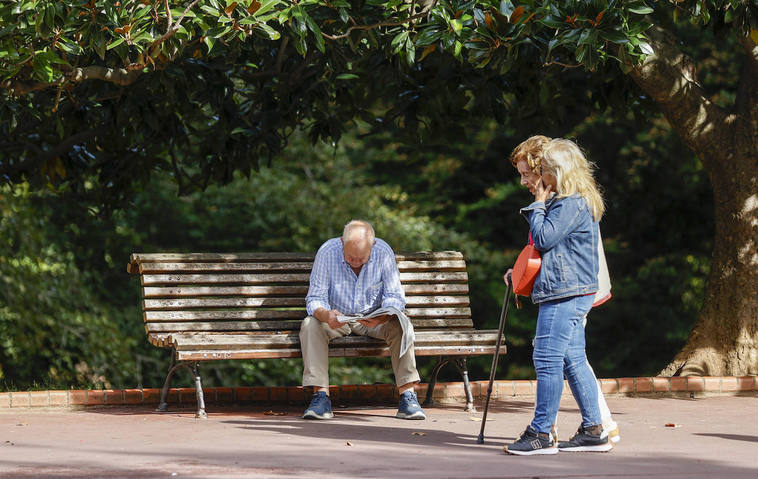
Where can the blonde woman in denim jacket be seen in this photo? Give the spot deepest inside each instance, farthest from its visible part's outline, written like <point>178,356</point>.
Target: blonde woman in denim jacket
<point>563,223</point>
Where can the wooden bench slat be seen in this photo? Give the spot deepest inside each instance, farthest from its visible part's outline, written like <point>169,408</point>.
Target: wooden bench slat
<point>276,256</point>
<point>152,268</point>
<point>241,279</point>
<point>195,303</point>
<point>285,325</point>
<point>194,267</point>
<point>189,341</point>
<point>336,352</point>
<point>244,291</point>
<point>244,279</point>
<point>438,312</point>
<point>219,257</point>
<point>209,303</point>
<point>150,316</point>
<point>253,291</point>
<point>211,315</point>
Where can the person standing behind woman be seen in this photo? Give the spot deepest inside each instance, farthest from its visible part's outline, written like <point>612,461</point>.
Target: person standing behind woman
<point>563,223</point>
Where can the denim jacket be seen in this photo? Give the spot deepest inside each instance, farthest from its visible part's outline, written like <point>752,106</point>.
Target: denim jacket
<point>566,234</point>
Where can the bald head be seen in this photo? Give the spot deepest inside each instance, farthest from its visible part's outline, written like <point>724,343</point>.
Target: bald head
<point>357,240</point>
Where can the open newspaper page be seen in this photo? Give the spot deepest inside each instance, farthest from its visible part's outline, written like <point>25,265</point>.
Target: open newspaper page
<point>408,335</point>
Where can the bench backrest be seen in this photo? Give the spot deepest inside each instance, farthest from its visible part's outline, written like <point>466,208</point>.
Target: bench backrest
<point>265,292</point>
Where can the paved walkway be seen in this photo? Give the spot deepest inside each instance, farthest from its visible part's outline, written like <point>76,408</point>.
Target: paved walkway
<point>713,437</point>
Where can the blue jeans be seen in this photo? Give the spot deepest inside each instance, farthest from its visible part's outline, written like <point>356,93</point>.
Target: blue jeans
<point>558,350</point>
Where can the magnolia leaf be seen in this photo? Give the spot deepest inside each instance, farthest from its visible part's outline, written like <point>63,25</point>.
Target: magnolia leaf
<point>646,48</point>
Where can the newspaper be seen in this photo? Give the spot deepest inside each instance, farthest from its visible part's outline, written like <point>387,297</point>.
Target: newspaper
<point>408,335</point>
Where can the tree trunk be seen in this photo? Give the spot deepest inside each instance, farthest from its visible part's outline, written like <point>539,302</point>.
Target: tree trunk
<point>724,339</point>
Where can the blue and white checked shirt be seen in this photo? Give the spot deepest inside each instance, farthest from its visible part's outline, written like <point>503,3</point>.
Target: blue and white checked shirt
<point>334,285</point>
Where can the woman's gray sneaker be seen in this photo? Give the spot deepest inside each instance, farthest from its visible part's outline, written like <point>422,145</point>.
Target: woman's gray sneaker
<point>531,442</point>
<point>587,440</point>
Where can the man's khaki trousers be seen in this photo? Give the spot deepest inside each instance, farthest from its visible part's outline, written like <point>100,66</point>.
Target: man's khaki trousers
<point>314,342</point>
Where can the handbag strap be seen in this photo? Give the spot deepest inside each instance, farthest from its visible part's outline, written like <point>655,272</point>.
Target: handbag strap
<point>531,241</point>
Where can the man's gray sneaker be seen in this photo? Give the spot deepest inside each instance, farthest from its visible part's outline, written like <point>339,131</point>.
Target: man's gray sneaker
<point>320,407</point>
<point>587,440</point>
<point>532,442</point>
<point>409,407</point>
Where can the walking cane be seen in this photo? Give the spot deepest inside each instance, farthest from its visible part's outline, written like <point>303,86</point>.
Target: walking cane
<point>503,314</point>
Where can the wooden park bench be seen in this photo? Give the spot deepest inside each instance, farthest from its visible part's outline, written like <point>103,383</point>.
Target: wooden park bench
<point>208,307</point>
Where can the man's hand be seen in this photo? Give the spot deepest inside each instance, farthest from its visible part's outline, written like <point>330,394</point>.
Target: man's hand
<point>329,317</point>
<point>374,322</point>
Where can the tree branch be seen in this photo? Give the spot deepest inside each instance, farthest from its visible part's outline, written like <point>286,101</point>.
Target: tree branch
<point>22,88</point>
<point>119,76</point>
<point>168,15</point>
<point>667,75</point>
<point>375,25</point>
<point>173,28</point>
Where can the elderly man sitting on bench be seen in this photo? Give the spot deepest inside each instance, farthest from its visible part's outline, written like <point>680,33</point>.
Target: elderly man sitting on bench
<point>352,275</point>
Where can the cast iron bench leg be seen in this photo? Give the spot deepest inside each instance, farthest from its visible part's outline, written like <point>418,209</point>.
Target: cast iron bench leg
<point>199,393</point>
<point>460,363</point>
<point>195,367</point>
<point>163,404</point>
<point>429,400</point>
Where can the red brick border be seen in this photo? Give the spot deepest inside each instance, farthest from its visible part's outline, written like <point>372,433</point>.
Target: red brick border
<point>444,392</point>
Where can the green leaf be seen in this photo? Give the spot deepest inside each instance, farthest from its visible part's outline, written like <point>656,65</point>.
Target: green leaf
<point>640,8</point>
<point>218,32</point>
<point>344,16</point>
<point>457,49</point>
<point>313,27</point>
<point>646,48</point>
<point>580,52</point>
<point>268,31</point>
<point>142,12</point>
<point>456,26</point>
<point>98,44</point>
<point>347,76</point>
<point>428,36</point>
<point>613,36</point>
<point>178,12</point>
<point>410,52</point>
<point>115,43</point>
<point>43,66</point>
<point>267,5</point>
<point>398,42</point>
<point>552,22</point>
<point>506,7</point>
<point>209,42</point>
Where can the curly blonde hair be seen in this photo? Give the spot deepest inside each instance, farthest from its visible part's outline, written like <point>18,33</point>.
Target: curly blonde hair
<point>530,150</point>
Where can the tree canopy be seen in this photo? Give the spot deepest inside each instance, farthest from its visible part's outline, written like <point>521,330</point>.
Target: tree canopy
<point>100,93</point>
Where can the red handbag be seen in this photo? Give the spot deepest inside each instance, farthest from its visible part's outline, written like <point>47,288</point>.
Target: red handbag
<point>526,269</point>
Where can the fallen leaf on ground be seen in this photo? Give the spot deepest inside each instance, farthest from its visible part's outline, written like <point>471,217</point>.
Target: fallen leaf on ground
<point>348,443</point>
<point>671,424</point>
<point>275,413</point>
<point>419,433</point>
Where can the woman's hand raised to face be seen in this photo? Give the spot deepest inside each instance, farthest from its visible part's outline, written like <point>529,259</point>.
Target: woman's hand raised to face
<point>541,191</point>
